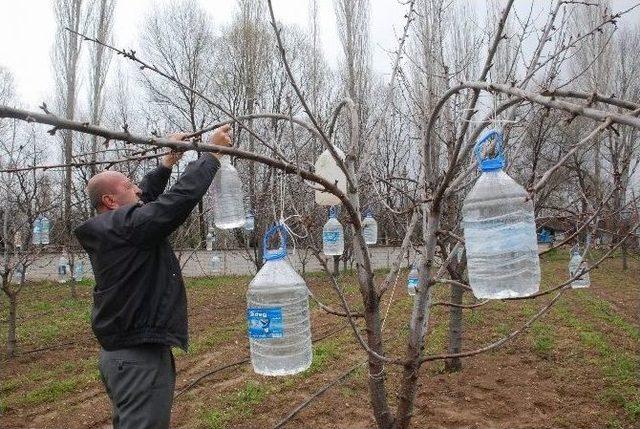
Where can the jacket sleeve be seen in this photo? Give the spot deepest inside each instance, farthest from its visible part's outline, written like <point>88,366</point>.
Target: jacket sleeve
<point>154,182</point>
<point>157,219</point>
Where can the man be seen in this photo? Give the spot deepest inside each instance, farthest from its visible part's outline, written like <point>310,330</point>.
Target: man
<point>140,306</point>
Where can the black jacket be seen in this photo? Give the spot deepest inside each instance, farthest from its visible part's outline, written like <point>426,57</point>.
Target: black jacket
<point>139,297</point>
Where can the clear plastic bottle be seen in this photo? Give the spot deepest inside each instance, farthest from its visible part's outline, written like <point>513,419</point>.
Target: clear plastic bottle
<point>210,239</point>
<point>499,231</point>
<point>327,168</point>
<point>45,230</point>
<point>78,271</point>
<point>36,236</point>
<point>228,206</point>
<point>369,228</point>
<point>278,314</point>
<point>412,280</point>
<point>63,268</point>
<point>576,265</point>
<point>332,235</point>
<point>215,263</point>
<point>249,222</point>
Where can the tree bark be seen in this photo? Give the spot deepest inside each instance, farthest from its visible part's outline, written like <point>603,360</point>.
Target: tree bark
<point>11,324</point>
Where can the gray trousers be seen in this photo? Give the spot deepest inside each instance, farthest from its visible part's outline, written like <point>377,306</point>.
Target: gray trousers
<point>140,382</point>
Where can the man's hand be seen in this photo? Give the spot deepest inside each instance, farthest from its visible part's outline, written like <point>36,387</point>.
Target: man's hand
<point>221,137</point>
<point>172,158</point>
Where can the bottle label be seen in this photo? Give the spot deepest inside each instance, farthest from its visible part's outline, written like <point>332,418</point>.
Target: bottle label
<point>331,237</point>
<point>413,283</point>
<point>265,322</point>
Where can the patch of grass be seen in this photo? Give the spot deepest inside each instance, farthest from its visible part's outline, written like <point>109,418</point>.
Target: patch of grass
<point>50,392</point>
<point>213,419</point>
<point>543,340</point>
<point>215,282</point>
<point>210,340</point>
<point>322,354</point>
<point>473,317</point>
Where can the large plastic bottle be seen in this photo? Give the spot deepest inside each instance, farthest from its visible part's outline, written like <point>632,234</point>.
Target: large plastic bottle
<point>327,168</point>
<point>576,265</point>
<point>499,231</point>
<point>228,206</point>
<point>412,280</point>
<point>36,236</point>
<point>45,226</point>
<point>278,314</point>
<point>332,235</point>
<point>369,228</point>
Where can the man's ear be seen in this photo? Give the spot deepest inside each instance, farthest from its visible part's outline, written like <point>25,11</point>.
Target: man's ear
<point>109,202</point>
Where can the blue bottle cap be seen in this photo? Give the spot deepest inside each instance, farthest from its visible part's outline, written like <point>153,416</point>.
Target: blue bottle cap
<point>279,253</point>
<point>498,161</point>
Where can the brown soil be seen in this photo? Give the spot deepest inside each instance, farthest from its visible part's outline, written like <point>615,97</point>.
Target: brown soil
<point>525,384</point>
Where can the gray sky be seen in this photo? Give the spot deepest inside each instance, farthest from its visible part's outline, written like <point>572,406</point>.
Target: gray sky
<point>28,29</point>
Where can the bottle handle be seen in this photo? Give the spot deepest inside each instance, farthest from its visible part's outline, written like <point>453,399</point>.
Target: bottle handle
<point>280,252</point>
<point>498,161</point>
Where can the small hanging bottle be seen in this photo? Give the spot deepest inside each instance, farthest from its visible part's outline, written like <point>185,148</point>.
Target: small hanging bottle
<point>45,229</point>
<point>215,263</point>
<point>412,280</point>
<point>63,268</point>
<point>228,207</point>
<point>36,237</point>
<point>78,271</point>
<point>369,228</point>
<point>332,235</point>
<point>210,239</point>
<point>249,222</point>
<point>576,266</point>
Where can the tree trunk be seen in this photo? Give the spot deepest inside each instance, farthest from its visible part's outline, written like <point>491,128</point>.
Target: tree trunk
<point>11,326</point>
<point>455,330</point>
<point>336,265</point>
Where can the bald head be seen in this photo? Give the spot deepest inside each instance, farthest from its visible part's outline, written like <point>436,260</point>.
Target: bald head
<point>109,190</point>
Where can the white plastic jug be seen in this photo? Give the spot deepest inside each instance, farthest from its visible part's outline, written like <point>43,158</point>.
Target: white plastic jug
<point>577,265</point>
<point>228,206</point>
<point>278,314</point>
<point>369,228</point>
<point>332,235</point>
<point>499,231</point>
<point>327,168</point>
<point>249,222</point>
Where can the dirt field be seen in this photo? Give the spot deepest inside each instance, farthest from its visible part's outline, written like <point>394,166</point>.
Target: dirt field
<point>576,368</point>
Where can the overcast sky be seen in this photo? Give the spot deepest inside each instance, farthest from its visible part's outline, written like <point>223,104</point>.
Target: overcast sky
<point>28,29</point>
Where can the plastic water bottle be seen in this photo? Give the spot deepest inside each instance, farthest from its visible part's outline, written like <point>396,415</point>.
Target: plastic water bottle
<point>278,314</point>
<point>369,228</point>
<point>36,236</point>
<point>332,235</point>
<point>228,206</point>
<point>45,226</point>
<point>577,265</point>
<point>327,168</point>
<point>63,269</point>
<point>499,231</point>
<point>215,263</point>
<point>412,280</point>
<point>210,239</point>
<point>249,222</point>
<point>78,271</point>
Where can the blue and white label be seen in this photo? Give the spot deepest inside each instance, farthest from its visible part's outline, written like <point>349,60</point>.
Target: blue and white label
<point>413,283</point>
<point>265,322</point>
<point>331,237</point>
